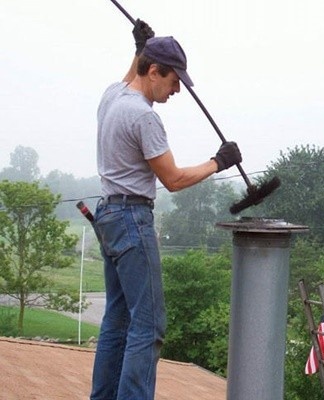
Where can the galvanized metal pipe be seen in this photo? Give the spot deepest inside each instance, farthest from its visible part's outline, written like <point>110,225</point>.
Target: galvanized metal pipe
<point>259,300</point>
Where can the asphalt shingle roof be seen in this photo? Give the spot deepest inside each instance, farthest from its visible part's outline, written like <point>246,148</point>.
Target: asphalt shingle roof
<point>45,371</point>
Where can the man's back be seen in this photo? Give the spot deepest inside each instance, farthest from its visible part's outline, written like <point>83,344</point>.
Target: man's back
<point>129,133</point>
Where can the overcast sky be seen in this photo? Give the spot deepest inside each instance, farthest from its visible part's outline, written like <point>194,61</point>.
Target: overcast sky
<point>257,65</point>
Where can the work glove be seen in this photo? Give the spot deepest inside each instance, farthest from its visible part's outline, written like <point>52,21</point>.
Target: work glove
<point>141,33</point>
<point>227,156</point>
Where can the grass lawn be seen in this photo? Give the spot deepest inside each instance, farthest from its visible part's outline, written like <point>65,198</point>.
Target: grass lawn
<point>44,323</point>
<point>69,278</point>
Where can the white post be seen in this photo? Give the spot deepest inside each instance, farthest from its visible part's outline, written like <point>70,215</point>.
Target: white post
<point>81,275</point>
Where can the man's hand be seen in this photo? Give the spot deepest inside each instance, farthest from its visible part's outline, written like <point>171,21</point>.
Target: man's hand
<point>227,156</point>
<point>141,32</point>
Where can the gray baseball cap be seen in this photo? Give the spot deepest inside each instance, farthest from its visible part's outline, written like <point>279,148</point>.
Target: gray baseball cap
<point>167,51</point>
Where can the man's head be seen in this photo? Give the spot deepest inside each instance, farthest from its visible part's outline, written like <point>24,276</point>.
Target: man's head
<point>166,51</point>
<point>156,81</point>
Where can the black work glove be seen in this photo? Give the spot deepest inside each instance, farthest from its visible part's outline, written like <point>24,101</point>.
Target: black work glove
<point>141,33</point>
<point>227,156</point>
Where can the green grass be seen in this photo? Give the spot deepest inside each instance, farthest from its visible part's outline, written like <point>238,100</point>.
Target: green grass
<point>69,278</point>
<point>93,279</point>
<point>44,323</point>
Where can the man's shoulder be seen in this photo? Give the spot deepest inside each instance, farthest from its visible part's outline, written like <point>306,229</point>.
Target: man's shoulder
<point>114,88</point>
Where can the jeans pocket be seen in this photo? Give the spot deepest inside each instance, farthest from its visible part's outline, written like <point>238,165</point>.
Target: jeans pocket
<point>115,238</point>
<point>143,218</point>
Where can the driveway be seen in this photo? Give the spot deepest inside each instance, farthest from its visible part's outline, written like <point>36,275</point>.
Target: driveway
<point>92,314</point>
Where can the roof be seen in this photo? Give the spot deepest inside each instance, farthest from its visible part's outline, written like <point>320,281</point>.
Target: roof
<point>46,371</point>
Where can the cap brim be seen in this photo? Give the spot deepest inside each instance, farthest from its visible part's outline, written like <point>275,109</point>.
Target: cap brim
<point>183,76</point>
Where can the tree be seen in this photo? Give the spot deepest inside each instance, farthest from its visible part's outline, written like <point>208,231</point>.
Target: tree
<point>225,196</point>
<point>300,198</point>
<point>298,385</point>
<point>71,190</point>
<point>306,262</point>
<point>32,240</point>
<point>23,161</point>
<point>62,184</point>
<point>23,165</point>
<point>214,327</point>
<point>196,287</point>
<point>198,208</point>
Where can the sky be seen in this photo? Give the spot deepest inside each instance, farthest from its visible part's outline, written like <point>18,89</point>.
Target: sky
<point>257,65</point>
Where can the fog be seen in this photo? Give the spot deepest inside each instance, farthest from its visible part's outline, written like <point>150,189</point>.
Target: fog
<point>258,67</point>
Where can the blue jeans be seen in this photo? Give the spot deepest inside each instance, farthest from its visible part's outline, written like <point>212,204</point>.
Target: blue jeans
<point>134,322</point>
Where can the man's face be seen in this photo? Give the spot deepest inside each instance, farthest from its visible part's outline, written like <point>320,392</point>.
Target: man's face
<point>163,87</point>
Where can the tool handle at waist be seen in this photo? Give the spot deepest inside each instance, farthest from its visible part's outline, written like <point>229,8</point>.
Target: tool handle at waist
<point>85,211</point>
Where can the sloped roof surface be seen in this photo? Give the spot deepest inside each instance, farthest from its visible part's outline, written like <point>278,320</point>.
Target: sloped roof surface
<point>43,371</point>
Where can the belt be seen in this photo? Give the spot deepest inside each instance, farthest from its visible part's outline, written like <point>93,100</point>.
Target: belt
<point>127,200</point>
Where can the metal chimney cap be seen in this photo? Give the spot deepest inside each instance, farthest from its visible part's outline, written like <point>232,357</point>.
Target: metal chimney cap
<point>265,225</point>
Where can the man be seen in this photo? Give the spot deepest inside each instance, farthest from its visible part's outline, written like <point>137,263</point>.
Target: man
<point>132,152</point>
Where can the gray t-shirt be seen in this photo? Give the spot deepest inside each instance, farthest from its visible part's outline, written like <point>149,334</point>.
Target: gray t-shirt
<point>129,134</point>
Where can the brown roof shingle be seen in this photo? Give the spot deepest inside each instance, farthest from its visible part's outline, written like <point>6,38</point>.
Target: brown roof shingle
<point>44,371</point>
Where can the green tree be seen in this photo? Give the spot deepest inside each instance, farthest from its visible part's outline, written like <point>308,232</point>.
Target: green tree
<point>192,222</point>
<point>71,189</point>
<point>23,163</point>
<point>214,326</point>
<point>298,385</point>
<point>225,196</point>
<point>32,240</point>
<point>65,185</point>
<point>306,262</point>
<point>300,198</point>
<point>196,285</point>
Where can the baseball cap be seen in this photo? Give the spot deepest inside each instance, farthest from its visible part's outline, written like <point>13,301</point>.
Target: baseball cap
<point>167,51</point>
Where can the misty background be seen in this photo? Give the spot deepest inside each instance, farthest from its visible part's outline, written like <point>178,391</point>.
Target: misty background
<point>258,67</point>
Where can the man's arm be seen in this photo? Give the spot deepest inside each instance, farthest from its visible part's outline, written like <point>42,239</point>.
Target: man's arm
<point>174,178</point>
<point>132,71</point>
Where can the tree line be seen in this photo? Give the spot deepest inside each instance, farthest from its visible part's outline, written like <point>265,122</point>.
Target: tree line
<point>24,167</point>
<point>188,218</point>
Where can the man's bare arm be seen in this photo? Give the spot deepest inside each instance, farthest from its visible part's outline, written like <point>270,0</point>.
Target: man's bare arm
<point>174,178</point>
<point>132,71</point>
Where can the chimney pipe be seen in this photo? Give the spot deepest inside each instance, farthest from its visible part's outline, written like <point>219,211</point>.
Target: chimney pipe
<point>259,301</point>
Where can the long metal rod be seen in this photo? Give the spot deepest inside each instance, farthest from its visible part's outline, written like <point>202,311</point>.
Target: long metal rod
<point>122,9</point>
<point>198,101</point>
<point>214,125</point>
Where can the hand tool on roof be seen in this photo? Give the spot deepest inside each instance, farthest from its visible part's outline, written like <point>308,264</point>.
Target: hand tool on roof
<point>255,195</point>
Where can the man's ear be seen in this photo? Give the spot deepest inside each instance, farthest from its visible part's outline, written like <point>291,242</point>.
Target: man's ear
<point>153,72</point>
